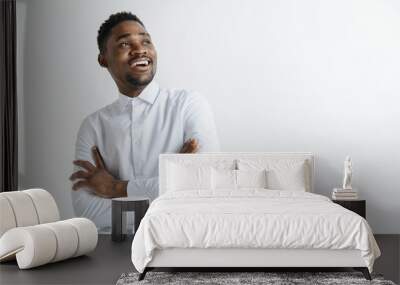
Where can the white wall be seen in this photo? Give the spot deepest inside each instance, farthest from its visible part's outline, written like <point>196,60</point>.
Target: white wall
<point>319,76</point>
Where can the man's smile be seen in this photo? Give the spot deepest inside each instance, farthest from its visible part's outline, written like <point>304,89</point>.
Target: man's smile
<point>141,64</point>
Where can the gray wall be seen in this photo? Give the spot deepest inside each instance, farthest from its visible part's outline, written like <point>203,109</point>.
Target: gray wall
<point>319,76</point>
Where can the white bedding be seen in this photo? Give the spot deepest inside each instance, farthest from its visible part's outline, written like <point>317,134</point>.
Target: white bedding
<point>250,218</point>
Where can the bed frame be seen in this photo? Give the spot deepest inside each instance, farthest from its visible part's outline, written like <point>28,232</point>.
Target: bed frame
<point>235,259</point>
<point>245,259</point>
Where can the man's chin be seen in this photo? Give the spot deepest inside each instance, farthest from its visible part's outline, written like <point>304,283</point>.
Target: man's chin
<point>139,81</point>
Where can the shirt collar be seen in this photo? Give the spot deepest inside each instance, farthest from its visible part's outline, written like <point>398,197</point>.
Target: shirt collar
<point>149,95</point>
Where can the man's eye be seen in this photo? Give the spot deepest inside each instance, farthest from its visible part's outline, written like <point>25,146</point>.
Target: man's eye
<point>124,44</point>
<point>147,42</point>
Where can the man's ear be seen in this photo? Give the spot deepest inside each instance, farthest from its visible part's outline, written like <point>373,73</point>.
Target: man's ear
<point>102,60</point>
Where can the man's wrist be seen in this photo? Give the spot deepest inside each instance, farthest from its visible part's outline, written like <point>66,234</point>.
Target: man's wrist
<point>119,187</point>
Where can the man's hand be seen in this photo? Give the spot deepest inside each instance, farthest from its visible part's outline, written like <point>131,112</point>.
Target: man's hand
<point>97,178</point>
<point>190,146</point>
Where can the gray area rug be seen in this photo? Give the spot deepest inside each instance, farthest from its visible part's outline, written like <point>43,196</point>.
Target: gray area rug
<point>273,278</point>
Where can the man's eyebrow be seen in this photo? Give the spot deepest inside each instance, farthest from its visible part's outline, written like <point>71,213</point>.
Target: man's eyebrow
<point>128,34</point>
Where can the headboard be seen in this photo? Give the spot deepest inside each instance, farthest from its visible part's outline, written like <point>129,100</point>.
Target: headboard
<point>231,157</point>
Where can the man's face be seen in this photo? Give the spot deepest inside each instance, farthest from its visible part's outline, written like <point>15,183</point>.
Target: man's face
<point>130,55</point>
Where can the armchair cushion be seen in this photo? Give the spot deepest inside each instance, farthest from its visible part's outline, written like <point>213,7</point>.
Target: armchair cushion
<point>40,244</point>
<point>31,232</point>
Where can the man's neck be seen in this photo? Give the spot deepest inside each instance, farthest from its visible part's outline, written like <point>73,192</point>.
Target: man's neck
<point>132,91</point>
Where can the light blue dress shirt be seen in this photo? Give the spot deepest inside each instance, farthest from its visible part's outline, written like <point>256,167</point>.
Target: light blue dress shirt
<point>131,133</point>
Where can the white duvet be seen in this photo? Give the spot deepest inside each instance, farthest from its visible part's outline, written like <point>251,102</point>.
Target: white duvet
<point>250,218</point>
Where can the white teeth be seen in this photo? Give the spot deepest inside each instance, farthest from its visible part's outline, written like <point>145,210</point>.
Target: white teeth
<point>140,62</point>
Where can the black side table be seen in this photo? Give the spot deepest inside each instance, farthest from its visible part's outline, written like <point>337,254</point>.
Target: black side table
<point>357,206</point>
<point>120,206</point>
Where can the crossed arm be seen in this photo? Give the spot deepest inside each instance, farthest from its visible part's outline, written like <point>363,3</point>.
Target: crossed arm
<point>98,180</point>
<point>200,135</point>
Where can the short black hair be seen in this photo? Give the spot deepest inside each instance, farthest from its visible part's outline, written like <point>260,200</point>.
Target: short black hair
<point>111,22</point>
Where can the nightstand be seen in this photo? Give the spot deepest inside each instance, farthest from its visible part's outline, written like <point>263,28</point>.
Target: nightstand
<point>119,207</point>
<point>357,206</point>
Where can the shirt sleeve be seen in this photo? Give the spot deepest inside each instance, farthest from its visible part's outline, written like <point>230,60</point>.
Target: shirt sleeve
<point>199,123</point>
<point>146,187</point>
<point>85,203</point>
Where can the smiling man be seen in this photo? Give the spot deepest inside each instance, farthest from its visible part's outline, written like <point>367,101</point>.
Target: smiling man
<point>117,147</point>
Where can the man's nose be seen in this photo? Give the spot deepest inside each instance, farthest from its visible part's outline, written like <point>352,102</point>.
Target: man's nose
<point>137,49</point>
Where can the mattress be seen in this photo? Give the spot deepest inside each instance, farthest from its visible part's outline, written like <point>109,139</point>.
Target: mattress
<point>250,219</point>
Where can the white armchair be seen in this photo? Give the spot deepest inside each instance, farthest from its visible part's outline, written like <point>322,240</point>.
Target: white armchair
<point>31,232</point>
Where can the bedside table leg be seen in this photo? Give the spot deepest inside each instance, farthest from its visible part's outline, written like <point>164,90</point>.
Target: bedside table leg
<point>117,222</point>
<point>140,211</point>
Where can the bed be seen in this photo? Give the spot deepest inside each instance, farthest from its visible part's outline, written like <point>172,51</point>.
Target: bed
<point>247,210</point>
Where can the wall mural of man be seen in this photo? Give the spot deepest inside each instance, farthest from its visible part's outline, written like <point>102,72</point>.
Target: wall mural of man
<point>117,147</point>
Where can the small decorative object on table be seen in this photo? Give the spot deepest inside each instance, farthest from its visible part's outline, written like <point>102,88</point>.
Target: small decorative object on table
<point>347,197</point>
<point>344,194</point>
<point>348,173</point>
<point>120,206</point>
<point>347,192</point>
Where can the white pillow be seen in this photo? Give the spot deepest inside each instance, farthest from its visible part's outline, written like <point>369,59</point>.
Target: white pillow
<point>223,179</point>
<point>236,179</point>
<point>282,174</point>
<point>251,178</point>
<point>288,179</point>
<point>184,177</point>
